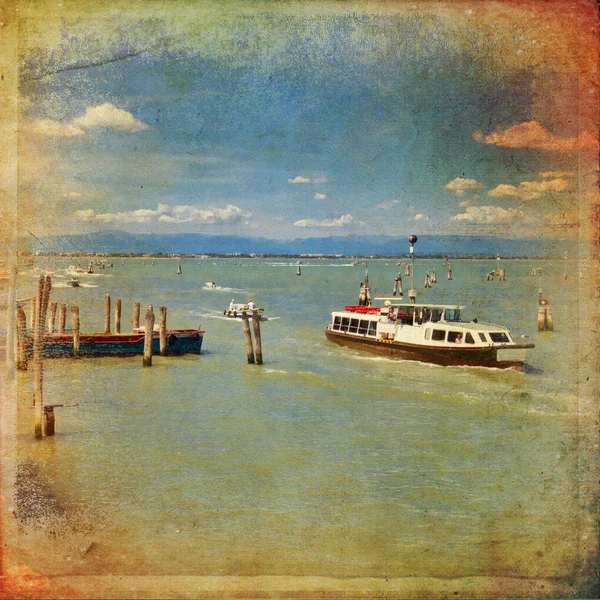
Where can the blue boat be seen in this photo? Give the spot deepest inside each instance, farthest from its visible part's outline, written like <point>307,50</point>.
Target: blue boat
<point>179,341</point>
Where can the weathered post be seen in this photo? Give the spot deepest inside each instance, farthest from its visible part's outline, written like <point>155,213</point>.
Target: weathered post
<point>62,318</point>
<point>257,339</point>
<point>21,340</point>
<point>38,376</point>
<point>75,326</point>
<point>162,330</point>
<point>545,322</point>
<point>148,333</point>
<point>136,315</point>
<point>118,315</point>
<point>52,319</point>
<point>248,336</point>
<point>32,309</point>
<point>49,419</point>
<point>107,313</point>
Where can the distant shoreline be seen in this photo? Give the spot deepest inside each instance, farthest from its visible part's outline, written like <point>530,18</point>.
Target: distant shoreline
<point>297,257</point>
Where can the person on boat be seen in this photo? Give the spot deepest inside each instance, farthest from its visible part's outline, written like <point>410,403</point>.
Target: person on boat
<point>251,305</point>
<point>231,304</point>
<point>458,338</point>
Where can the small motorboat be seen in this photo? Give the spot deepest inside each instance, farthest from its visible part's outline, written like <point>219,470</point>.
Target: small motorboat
<point>73,282</point>
<point>235,310</point>
<point>210,284</point>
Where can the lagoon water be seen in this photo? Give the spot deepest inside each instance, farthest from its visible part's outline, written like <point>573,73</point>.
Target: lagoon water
<point>322,461</point>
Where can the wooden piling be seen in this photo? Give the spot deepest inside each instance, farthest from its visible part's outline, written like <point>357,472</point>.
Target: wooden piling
<point>248,337</point>
<point>38,376</point>
<point>136,315</point>
<point>118,315</point>
<point>49,419</point>
<point>257,338</point>
<point>75,326</point>
<point>62,318</point>
<point>52,318</point>
<point>21,340</point>
<point>32,309</point>
<point>545,322</point>
<point>107,313</point>
<point>162,330</point>
<point>147,362</point>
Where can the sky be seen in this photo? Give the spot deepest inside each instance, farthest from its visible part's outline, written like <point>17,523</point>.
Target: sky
<point>288,120</point>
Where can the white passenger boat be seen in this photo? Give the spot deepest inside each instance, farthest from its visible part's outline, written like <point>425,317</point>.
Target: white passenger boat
<point>428,333</point>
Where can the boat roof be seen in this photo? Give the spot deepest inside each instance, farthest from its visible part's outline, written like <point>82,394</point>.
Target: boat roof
<point>421,305</point>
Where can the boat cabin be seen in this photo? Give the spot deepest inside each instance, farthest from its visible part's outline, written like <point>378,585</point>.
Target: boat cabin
<point>432,325</point>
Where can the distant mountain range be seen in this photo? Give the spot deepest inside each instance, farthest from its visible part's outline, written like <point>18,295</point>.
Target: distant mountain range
<point>198,243</point>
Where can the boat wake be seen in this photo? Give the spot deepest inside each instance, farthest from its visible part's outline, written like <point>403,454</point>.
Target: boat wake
<point>219,288</point>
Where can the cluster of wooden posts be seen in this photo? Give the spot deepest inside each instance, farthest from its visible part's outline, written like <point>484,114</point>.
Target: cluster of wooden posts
<point>44,321</point>
<point>257,340</point>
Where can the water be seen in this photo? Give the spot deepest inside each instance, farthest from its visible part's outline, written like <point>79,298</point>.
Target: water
<point>323,461</point>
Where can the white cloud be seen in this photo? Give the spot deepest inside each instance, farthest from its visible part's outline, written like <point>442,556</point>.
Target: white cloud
<point>387,204</point>
<point>303,179</point>
<point>340,222</point>
<point>72,195</point>
<point>191,214</point>
<point>166,214</point>
<point>530,190</point>
<point>108,116</point>
<point>460,185</point>
<point>421,217</point>
<point>467,203</point>
<point>533,135</point>
<point>489,214</point>
<point>318,196</point>
<point>48,128</point>
<point>105,116</point>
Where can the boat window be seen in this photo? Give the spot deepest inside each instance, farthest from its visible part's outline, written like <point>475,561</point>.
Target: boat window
<point>353,326</point>
<point>372,328</point>
<point>469,339</point>
<point>482,336</point>
<point>345,323</point>
<point>438,335</point>
<point>453,314</point>
<point>337,322</point>
<point>363,326</point>
<point>436,315</point>
<point>428,334</point>
<point>455,337</point>
<point>499,337</point>
<point>426,315</point>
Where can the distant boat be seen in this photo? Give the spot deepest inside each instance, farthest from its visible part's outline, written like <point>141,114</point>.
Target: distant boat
<point>234,311</point>
<point>179,341</point>
<point>73,282</point>
<point>210,284</point>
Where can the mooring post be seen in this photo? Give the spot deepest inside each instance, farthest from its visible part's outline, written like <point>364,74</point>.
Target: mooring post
<point>118,315</point>
<point>52,318</point>
<point>545,322</point>
<point>107,313</point>
<point>136,315</point>
<point>32,309</point>
<point>148,333</point>
<point>248,336</point>
<point>49,419</point>
<point>75,326</point>
<point>257,339</point>
<point>21,340</point>
<point>62,318</point>
<point>162,330</point>
<point>38,401</point>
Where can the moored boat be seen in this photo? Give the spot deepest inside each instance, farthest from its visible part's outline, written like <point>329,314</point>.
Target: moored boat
<point>179,341</point>
<point>432,333</point>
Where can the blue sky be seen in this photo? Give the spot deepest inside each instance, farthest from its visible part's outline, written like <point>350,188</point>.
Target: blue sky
<point>426,118</point>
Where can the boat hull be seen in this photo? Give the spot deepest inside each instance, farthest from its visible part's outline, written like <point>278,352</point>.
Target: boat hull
<point>182,341</point>
<point>498,358</point>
